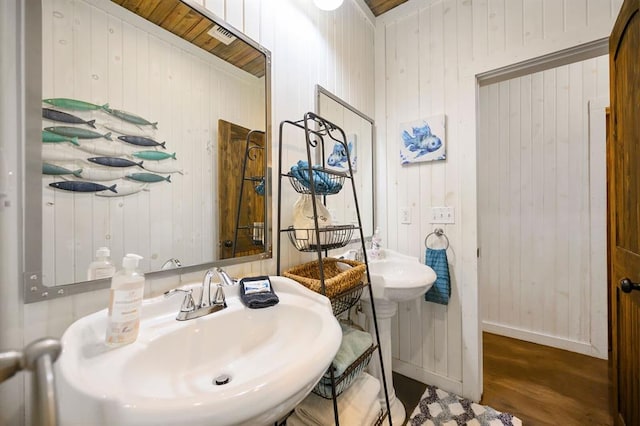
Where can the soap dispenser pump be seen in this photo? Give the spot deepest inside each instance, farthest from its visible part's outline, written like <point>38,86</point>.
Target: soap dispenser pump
<point>127,289</point>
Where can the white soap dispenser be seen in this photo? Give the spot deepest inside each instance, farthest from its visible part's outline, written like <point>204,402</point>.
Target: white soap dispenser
<point>102,266</point>
<point>127,288</point>
<point>376,245</point>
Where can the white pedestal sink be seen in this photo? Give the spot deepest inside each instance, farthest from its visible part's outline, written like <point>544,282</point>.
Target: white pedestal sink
<point>394,278</point>
<point>168,375</point>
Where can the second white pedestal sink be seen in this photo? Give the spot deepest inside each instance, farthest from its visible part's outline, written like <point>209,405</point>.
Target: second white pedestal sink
<point>238,366</point>
<point>394,278</point>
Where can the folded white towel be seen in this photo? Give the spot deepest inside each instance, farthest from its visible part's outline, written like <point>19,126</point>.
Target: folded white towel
<point>354,405</point>
<point>372,416</point>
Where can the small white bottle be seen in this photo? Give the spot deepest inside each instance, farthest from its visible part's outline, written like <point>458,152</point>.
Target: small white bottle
<point>127,288</point>
<point>102,266</point>
<point>376,245</point>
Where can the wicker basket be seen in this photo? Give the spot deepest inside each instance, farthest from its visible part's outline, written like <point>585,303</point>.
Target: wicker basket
<point>335,280</point>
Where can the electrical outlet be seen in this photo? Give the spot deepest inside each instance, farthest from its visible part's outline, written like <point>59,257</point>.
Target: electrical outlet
<point>442,215</point>
<point>405,215</point>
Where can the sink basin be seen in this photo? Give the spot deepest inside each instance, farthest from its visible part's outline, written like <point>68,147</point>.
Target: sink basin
<point>399,278</point>
<point>168,375</point>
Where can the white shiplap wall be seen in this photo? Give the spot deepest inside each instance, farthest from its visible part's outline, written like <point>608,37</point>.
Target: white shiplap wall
<point>98,52</point>
<point>428,54</point>
<point>536,222</point>
<point>308,46</point>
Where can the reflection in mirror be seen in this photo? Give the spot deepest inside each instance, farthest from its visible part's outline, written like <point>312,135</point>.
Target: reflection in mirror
<point>133,106</point>
<point>241,177</point>
<point>360,141</point>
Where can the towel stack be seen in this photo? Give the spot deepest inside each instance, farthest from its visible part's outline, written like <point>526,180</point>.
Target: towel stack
<point>322,182</point>
<point>354,344</point>
<point>358,405</point>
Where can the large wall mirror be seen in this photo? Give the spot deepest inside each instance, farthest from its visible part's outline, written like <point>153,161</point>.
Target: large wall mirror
<point>148,132</point>
<point>359,130</point>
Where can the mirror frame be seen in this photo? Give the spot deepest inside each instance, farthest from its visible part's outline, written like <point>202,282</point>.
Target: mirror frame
<point>30,112</point>
<point>322,91</point>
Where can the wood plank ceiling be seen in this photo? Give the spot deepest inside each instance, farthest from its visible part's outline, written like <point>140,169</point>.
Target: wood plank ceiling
<point>378,7</point>
<point>187,23</point>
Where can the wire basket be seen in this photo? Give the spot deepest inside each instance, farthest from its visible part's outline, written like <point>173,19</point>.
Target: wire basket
<point>326,182</point>
<point>336,280</point>
<point>331,237</point>
<point>342,383</point>
<point>346,300</point>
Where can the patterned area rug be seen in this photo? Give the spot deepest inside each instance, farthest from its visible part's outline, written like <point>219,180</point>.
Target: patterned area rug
<point>440,408</point>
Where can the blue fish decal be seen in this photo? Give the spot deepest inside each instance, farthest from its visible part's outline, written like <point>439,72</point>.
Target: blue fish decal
<point>114,162</point>
<point>422,141</point>
<point>338,157</point>
<point>52,114</point>
<point>148,177</point>
<point>75,186</point>
<point>55,170</point>
<point>141,141</point>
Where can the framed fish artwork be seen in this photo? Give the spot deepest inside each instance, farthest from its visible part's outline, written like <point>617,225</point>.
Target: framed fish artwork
<point>423,140</point>
<point>337,156</point>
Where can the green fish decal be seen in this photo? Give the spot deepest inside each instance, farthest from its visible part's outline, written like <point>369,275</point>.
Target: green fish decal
<point>77,132</point>
<point>130,117</point>
<point>154,155</point>
<point>148,177</point>
<point>74,104</point>
<point>52,169</point>
<point>50,137</point>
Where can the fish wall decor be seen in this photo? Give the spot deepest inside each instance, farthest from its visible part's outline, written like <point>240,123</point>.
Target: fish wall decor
<point>141,141</point>
<point>128,130</point>
<point>130,117</point>
<point>77,132</point>
<point>76,186</point>
<point>74,104</point>
<point>104,148</point>
<point>52,114</point>
<point>103,173</point>
<point>50,137</point>
<point>114,162</point>
<point>154,155</point>
<point>148,177</point>
<point>55,170</point>
<point>423,140</point>
<point>125,188</point>
<point>163,167</point>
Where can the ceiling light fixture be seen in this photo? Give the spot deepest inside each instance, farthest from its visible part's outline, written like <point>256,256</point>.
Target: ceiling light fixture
<point>328,4</point>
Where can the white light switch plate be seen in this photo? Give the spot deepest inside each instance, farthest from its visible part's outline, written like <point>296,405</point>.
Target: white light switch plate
<point>442,215</point>
<point>405,215</point>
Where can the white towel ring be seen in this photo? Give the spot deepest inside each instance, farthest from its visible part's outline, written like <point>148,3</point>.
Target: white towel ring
<point>438,232</point>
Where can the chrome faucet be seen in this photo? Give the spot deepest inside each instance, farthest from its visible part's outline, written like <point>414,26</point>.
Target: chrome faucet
<point>171,264</point>
<point>205,305</point>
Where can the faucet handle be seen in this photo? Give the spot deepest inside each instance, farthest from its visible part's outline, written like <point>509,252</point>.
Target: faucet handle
<point>219,297</point>
<point>188,304</point>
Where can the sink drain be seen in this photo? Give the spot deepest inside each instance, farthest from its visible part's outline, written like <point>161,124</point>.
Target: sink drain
<point>222,379</point>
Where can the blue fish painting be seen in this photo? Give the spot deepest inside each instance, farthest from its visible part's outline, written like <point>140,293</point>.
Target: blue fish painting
<point>76,186</point>
<point>421,143</point>
<point>338,157</point>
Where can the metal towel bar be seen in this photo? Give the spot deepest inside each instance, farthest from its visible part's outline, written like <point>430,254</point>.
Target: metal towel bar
<point>438,232</point>
<point>37,357</point>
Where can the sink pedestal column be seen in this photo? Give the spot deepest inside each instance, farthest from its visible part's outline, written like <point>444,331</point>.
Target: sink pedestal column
<point>385,310</point>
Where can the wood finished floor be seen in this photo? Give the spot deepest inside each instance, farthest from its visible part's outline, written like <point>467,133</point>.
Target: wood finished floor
<point>540,385</point>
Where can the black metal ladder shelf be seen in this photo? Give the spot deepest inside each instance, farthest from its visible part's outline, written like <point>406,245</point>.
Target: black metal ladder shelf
<point>320,240</point>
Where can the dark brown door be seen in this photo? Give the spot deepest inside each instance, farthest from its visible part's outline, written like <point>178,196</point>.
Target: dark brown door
<point>624,212</point>
<point>232,143</point>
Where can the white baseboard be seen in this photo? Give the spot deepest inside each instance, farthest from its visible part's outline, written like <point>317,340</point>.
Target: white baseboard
<point>584,348</point>
<point>427,377</point>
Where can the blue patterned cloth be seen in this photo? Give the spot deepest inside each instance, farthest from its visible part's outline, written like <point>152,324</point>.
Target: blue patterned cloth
<point>441,289</point>
<point>322,182</point>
